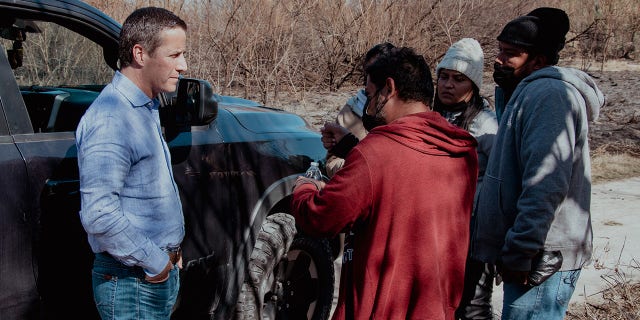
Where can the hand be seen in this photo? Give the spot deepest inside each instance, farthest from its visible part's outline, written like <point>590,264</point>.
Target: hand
<point>162,276</point>
<point>304,180</point>
<point>513,276</point>
<point>332,133</point>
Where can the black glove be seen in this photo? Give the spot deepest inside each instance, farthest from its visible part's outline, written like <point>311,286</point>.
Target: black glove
<point>543,266</point>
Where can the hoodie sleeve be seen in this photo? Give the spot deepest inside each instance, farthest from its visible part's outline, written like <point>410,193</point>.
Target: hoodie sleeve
<point>345,199</point>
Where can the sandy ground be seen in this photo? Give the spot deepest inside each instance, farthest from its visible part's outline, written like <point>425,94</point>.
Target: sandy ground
<point>616,243</point>
<point>616,253</point>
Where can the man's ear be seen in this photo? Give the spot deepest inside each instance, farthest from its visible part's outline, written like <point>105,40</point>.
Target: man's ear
<point>539,61</point>
<point>391,85</point>
<point>138,54</point>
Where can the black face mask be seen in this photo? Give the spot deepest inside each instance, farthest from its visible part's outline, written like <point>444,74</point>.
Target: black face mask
<point>504,77</point>
<point>368,121</point>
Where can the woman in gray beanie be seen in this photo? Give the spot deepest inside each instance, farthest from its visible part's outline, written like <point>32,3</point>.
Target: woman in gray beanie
<point>458,99</point>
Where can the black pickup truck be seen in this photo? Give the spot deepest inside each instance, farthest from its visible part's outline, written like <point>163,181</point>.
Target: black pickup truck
<point>235,162</point>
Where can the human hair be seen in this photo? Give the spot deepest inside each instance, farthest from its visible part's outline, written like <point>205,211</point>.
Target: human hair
<point>409,71</point>
<point>378,50</point>
<point>471,109</point>
<point>143,26</point>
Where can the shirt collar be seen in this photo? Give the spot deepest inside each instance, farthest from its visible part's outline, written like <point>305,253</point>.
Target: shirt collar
<point>131,92</point>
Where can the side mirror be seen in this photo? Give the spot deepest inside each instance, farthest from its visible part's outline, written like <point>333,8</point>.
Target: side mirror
<point>197,97</point>
<point>15,55</point>
<point>192,104</point>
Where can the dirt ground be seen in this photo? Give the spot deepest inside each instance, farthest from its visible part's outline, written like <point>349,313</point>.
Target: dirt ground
<point>618,128</point>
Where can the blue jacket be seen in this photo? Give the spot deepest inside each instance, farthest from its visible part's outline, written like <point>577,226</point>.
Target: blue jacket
<point>536,191</point>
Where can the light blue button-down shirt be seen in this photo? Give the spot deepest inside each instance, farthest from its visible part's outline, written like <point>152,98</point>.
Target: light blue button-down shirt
<point>130,205</point>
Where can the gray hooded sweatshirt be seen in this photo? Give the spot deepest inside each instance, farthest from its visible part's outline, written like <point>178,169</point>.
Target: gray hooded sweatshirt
<point>536,192</point>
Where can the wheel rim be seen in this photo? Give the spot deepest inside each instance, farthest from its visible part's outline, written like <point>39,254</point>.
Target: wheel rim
<point>294,289</point>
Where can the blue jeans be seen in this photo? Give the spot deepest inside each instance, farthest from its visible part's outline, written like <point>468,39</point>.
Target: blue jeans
<point>547,301</point>
<point>120,292</point>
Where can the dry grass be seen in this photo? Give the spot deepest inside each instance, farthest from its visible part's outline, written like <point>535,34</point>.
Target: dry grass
<point>610,167</point>
<point>264,48</point>
<point>620,301</point>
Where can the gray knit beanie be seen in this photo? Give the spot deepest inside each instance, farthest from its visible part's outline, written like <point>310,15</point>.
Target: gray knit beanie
<point>466,57</point>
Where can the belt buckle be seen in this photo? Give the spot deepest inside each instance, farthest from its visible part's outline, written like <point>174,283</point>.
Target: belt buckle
<point>174,254</point>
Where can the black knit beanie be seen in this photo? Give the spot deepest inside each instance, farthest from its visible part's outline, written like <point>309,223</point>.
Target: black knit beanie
<point>542,30</point>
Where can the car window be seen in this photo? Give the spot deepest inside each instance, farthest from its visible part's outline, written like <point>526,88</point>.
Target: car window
<point>56,56</point>
<point>59,72</point>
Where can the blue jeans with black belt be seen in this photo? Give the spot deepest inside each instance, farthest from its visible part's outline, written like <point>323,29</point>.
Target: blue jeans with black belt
<point>120,291</point>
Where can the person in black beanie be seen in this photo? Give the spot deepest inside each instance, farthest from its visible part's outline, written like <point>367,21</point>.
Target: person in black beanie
<point>542,33</point>
<point>533,210</point>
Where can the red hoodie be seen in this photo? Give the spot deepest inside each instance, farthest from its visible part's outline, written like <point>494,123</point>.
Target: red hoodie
<point>406,192</point>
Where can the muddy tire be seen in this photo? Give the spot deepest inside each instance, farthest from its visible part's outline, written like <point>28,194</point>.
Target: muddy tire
<point>274,240</point>
<point>287,278</point>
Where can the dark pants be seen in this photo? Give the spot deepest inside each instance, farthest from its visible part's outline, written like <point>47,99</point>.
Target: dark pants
<point>478,287</point>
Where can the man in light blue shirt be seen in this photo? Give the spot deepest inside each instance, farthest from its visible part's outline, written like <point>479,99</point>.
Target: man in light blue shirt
<point>130,204</point>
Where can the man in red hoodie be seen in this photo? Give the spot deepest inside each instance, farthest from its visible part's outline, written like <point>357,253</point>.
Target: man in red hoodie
<point>405,193</point>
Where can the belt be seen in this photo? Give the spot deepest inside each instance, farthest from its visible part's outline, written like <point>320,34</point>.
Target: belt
<point>174,256</point>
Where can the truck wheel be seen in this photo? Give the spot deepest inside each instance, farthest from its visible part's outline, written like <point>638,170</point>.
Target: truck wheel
<point>298,286</point>
<point>307,277</point>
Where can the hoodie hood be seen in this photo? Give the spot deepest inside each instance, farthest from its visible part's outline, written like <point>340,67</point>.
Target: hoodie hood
<point>430,133</point>
<point>582,82</point>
